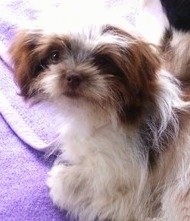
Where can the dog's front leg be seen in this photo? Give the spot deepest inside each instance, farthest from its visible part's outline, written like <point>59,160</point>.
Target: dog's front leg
<point>90,190</point>
<point>70,188</point>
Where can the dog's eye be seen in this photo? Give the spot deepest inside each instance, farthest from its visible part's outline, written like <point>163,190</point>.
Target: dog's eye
<point>54,56</point>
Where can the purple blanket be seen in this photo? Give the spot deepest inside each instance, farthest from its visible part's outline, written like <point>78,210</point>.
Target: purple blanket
<point>25,132</point>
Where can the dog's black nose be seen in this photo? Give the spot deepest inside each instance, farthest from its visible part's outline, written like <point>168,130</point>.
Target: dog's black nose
<point>73,79</point>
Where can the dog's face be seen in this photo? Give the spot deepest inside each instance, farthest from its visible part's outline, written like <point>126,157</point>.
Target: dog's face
<point>107,67</point>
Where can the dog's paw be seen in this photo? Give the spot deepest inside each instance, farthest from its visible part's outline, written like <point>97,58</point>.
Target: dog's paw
<point>55,182</point>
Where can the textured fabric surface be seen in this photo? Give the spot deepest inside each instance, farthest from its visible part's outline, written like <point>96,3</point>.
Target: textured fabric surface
<point>21,118</point>
<point>23,171</point>
<point>24,129</point>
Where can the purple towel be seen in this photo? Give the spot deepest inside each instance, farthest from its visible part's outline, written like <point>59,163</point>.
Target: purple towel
<point>23,193</point>
<point>25,130</point>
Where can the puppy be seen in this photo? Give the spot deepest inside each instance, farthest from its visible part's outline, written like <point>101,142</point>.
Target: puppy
<point>126,135</point>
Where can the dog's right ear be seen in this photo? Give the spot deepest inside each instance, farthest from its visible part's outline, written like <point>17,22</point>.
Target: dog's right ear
<point>25,59</point>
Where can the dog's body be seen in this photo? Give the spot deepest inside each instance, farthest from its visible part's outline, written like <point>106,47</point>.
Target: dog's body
<point>126,136</point>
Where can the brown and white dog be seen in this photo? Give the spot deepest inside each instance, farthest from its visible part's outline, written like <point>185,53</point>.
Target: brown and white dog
<point>126,134</point>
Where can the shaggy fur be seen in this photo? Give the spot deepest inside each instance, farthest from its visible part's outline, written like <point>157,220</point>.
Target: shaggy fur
<point>126,133</point>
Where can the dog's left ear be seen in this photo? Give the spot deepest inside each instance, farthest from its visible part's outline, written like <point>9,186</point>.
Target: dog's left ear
<point>25,59</point>
<point>139,65</point>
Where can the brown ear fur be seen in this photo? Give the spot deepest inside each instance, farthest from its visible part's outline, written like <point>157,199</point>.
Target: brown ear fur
<point>139,64</point>
<point>25,60</point>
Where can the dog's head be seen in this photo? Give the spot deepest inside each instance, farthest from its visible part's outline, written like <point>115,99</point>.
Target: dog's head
<point>107,67</point>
